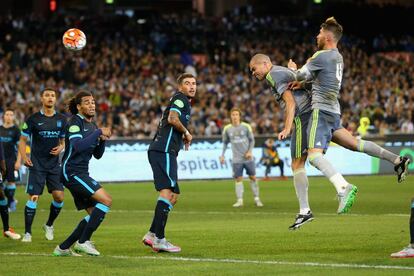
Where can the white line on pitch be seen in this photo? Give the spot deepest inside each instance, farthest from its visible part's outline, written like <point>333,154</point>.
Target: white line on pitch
<point>179,212</point>
<point>236,261</point>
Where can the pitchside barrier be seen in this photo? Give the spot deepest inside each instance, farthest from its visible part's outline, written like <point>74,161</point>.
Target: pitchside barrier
<point>126,160</point>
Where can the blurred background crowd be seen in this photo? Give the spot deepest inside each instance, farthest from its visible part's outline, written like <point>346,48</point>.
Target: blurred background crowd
<point>131,65</point>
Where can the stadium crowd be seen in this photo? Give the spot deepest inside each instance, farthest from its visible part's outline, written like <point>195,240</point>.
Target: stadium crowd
<point>131,67</point>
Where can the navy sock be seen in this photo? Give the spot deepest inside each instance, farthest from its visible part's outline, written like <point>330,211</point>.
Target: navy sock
<point>75,234</point>
<point>412,223</point>
<point>4,212</point>
<point>9,192</point>
<point>96,217</point>
<point>55,208</point>
<point>162,209</point>
<point>29,214</point>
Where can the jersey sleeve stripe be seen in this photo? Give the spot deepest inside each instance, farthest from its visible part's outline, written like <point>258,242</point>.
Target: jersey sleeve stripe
<point>226,128</point>
<point>270,79</point>
<point>176,110</point>
<point>75,135</point>
<point>25,134</point>
<point>318,52</point>
<point>249,128</point>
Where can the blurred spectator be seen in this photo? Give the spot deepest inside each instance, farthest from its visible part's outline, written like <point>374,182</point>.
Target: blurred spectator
<point>270,158</point>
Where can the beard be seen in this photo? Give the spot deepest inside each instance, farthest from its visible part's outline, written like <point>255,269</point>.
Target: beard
<point>321,45</point>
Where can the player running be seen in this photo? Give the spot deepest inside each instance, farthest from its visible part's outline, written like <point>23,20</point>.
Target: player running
<point>162,155</point>
<point>46,130</point>
<point>10,136</point>
<point>240,135</point>
<point>84,140</point>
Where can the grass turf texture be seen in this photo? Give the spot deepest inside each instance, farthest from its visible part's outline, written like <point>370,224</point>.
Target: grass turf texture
<point>219,239</point>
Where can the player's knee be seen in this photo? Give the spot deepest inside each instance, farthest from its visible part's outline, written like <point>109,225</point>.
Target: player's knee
<point>34,198</point>
<point>107,200</point>
<point>58,197</point>
<point>174,200</point>
<point>252,177</point>
<point>313,162</point>
<point>313,158</point>
<point>297,164</point>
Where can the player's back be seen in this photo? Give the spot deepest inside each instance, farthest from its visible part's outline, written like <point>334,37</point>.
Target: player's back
<point>167,138</point>
<point>327,67</point>
<point>279,78</point>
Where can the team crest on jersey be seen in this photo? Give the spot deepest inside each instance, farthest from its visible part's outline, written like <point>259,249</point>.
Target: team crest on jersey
<point>179,103</point>
<point>74,128</point>
<point>59,123</point>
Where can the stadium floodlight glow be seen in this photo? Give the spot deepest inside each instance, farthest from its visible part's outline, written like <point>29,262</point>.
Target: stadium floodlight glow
<point>141,21</point>
<point>317,1</point>
<point>109,2</point>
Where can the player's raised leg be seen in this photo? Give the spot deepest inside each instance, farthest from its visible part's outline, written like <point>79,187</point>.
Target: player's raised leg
<point>344,138</point>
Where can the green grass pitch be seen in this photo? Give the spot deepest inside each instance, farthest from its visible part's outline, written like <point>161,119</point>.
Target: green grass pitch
<point>217,239</point>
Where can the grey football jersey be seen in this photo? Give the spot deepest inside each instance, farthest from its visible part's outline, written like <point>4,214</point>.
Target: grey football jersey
<point>278,78</point>
<point>241,139</point>
<point>325,69</point>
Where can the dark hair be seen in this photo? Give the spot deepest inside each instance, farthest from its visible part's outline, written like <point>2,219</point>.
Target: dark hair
<point>47,89</point>
<point>77,99</point>
<point>183,76</point>
<point>7,109</point>
<point>237,110</point>
<point>333,26</point>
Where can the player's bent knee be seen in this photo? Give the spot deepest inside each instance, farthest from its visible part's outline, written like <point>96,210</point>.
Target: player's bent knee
<point>34,198</point>
<point>173,200</point>
<point>166,193</point>
<point>58,197</point>
<point>107,200</point>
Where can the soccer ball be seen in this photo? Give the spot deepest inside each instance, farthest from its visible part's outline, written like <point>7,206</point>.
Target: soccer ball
<point>74,39</point>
